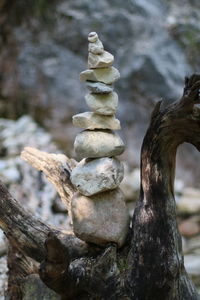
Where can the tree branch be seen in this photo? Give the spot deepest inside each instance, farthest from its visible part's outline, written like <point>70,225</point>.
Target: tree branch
<point>56,167</point>
<point>28,234</point>
<point>155,259</point>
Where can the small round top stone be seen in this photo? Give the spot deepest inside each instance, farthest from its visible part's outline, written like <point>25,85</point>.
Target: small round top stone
<point>92,37</point>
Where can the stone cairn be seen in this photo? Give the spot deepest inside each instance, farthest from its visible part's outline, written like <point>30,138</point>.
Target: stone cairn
<point>99,212</point>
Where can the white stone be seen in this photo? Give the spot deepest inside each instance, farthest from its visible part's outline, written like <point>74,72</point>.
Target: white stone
<point>92,37</point>
<point>96,47</point>
<point>98,143</point>
<point>99,87</point>
<point>91,120</point>
<point>92,176</point>
<point>103,60</point>
<point>105,75</point>
<point>101,218</point>
<point>102,104</point>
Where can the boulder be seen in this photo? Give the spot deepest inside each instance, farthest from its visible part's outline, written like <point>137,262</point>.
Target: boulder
<point>102,104</point>
<point>103,60</point>
<point>99,87</point>
<point>91,120</point>
<point>92,176</point>
<point>98,143</point>
<point>101,218</point>
<point>105,75</point>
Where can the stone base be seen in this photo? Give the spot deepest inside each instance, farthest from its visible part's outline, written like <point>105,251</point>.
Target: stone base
<point>100,219</point>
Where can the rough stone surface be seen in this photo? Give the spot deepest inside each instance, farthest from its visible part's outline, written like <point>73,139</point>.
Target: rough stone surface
<point>91,120</point>
<point>105,75</point>
<point>3,276</point>
<point>102,104</point>
<point>98,143</point>
<point>99,87</point>
<point>103,60</point>
<point>96,47</point>
<point>92,176</point>
<point>101,218</point>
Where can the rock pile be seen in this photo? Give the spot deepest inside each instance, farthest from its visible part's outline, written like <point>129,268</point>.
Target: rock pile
<point>99,211</point>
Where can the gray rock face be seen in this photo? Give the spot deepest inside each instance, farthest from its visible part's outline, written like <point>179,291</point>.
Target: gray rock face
<point>152,60</point>
<point>98,143</point>
<point>90,120</point>
<point>105,75</point>
<point>102,104</point>
<point>101,218</point>
<point>92,176</point>
<point>103,60</point>
<point>99,87</point>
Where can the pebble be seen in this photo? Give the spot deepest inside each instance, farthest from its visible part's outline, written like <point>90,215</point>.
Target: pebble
<point>92,37</point>
<point>100,219</point>
<point>99,87</point>
<point>103,60</point>
<point>98,143</point>
<point>91,120</point>
<point>105,75</point>
<point>92,176</point>
<point>105,104</point>
<point>96,47</point>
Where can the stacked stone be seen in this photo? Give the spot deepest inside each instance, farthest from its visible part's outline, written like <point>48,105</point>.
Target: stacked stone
<point>99,212</point>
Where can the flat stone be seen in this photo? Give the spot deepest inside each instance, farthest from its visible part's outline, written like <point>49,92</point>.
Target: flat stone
<point>98,143</point>
<point>103,60</point>
<point>96,47</point>
<point>99,87</point>
<point>102,104</point>
<point>92,176</point>
<point>92,37</point>
<point>91,120</point>
<point>101,218</point>
<point>105,75</point>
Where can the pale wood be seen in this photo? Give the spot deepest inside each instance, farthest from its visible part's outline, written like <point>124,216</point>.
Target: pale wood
<point>56,167</point>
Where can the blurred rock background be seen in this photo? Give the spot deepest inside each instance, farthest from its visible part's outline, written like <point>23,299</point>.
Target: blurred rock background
<point>43,48</point>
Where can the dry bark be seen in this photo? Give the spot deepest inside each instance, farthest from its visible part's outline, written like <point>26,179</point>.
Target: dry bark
<point>150,266</point>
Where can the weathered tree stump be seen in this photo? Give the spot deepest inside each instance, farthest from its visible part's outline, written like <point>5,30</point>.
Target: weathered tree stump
<point>150,266</point>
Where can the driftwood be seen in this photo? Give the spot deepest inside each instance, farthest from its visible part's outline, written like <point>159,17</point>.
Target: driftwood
<point>150,266</point>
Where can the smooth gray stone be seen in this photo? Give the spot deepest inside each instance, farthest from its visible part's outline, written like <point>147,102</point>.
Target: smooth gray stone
<point>101,218</point>
<point>99,87</point>
<point>98,143</point>
<point>103,104</point>
<point>92,176</point>
<point>92,37</point>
